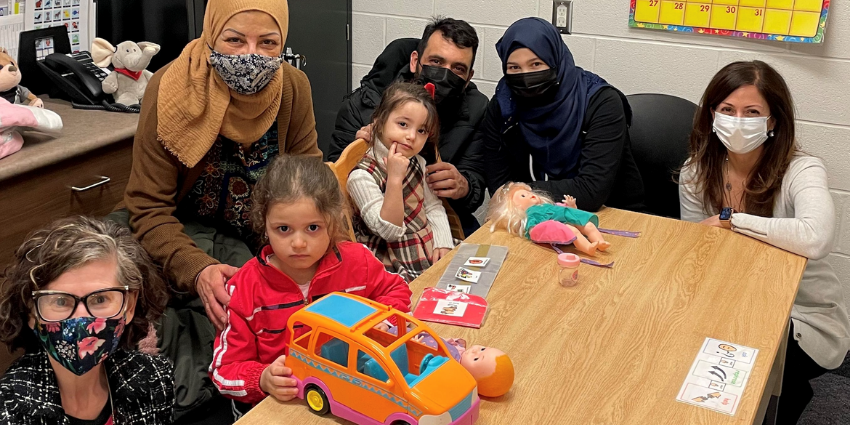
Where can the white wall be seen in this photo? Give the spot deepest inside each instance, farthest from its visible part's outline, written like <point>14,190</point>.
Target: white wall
<point>639,61</point>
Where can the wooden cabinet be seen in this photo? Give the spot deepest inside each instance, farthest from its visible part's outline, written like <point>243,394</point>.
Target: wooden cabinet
<point>88,184</point>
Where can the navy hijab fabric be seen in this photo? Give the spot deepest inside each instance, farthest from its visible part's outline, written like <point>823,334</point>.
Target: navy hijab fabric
<point>552,131</point>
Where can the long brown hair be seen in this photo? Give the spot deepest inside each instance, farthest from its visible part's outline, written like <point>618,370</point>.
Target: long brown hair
<point>290,178</point>
<point>707,152</point>
<point>396,96</point>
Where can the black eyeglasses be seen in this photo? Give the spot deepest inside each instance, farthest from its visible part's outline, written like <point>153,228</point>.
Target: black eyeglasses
<point>55,306</point>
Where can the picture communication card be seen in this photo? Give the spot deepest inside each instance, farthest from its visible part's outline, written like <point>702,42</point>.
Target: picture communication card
<point>451,307</point>
<point>473,269</point>
<point>796,21</point>
<point>73,14</point>
<point>719,375</point>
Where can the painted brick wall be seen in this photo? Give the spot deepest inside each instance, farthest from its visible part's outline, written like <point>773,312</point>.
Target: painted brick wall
<point>638,61</point>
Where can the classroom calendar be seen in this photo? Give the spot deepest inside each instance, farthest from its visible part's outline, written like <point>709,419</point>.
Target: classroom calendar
<point>799,21</point>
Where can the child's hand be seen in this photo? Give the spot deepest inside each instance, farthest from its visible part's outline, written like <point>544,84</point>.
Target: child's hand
<point>396,164</point>
<point>438,254</point>
<point>570,201</point>
<point>277,382</point>
<point>382,327</point>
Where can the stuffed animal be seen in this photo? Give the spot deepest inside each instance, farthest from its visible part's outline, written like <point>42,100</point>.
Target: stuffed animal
<point>128,81</point>
<point>10,76</point>
<point>522,211</point>
<point>14,119</point>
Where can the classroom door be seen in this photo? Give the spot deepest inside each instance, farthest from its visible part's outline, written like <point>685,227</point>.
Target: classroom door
<point>321,31</point>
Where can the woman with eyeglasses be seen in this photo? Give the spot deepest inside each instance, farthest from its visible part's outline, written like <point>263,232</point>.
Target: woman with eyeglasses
<point>78,297</point>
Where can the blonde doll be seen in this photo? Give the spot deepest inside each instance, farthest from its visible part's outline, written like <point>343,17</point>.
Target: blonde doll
<point>521,211</point>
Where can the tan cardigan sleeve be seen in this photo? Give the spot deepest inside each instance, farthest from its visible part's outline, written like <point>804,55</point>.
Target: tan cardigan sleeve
<point>151,198</point>
<point>297,112</point>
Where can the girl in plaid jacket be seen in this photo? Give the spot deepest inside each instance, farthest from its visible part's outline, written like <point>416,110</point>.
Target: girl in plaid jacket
<point>398,216</point>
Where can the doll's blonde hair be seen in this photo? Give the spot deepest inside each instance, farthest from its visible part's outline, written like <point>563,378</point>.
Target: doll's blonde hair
<point>501,381</point>
<point>502,213</point>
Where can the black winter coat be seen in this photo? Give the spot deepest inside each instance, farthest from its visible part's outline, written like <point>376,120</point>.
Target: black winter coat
<point>606,173</point>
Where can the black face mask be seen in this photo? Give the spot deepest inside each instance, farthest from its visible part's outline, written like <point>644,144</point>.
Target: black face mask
<point>530,85</point>
<point>446,83</point>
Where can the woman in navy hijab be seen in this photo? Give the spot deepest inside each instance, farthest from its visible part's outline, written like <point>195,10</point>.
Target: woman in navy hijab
<point>556,126</point>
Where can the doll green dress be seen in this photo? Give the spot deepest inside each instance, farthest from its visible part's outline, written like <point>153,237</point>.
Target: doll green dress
<point>539,213</point>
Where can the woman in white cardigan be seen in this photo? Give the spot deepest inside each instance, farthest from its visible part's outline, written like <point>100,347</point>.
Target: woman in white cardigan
<point>746,173</point>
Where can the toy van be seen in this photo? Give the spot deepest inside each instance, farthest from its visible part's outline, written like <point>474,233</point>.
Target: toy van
<point>347,367</point>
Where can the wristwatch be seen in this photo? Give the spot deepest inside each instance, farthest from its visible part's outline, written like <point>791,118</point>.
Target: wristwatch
<point>726,217</point>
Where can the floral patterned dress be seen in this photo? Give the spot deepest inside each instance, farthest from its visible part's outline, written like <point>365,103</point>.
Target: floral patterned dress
<point>221,197</point>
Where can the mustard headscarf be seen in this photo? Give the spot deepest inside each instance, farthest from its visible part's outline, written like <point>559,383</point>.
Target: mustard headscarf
<point>194,104</point>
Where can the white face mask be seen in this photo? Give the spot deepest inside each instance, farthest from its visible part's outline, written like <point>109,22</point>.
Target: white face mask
<point>740,135</point>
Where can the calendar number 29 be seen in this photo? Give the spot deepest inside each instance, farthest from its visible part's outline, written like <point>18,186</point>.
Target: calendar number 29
<point>704,8</point>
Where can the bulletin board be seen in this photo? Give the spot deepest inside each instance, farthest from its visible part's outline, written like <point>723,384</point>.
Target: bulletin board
<point>796,21</point>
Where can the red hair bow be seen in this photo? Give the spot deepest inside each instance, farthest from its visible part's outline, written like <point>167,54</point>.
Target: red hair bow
<point>430,88</point>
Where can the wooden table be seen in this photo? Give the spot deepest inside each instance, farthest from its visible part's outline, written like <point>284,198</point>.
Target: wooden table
<point>616,348</point>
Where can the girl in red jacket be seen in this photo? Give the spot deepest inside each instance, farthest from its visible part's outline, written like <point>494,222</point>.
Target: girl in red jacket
<point>299,209</point>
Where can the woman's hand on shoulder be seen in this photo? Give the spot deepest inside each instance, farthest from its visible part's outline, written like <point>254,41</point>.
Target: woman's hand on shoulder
<point>210,288</point>
<point>396,164</point>
<point>712,221</point>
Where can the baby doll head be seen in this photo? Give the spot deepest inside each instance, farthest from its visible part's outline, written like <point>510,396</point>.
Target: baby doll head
<point>491,368</point>
<point>10,74</point>
<point>508,205</point>
<point>407,116</point>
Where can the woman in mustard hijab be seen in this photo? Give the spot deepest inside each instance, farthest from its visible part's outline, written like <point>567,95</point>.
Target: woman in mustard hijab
<point>211,122</point>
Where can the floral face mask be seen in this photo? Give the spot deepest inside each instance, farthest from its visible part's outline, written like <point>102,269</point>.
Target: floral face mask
<point>79,344</point>
<point>245,74</point>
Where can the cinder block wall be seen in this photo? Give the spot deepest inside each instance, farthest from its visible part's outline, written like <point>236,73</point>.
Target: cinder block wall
<point>640,61</point>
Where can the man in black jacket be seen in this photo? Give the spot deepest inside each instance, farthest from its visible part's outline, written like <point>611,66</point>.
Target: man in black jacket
<point>443,56</point>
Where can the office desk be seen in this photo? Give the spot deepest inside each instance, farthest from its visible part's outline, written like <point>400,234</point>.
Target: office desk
<point>616,348</point>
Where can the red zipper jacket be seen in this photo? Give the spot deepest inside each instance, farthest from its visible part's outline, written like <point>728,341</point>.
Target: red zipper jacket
<point>263,298</point>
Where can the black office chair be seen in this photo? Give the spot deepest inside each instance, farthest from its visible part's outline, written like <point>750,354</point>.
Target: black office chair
<point>661,126</point>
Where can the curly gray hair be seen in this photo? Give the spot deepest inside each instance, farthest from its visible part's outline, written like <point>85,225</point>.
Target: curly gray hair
<point>68,244</point>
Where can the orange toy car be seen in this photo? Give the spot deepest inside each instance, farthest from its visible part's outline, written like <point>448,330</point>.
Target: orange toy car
<point>345,366</point>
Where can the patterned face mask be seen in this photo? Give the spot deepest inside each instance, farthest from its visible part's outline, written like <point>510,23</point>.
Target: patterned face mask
<point>81,343</point>
<point>245,74</point>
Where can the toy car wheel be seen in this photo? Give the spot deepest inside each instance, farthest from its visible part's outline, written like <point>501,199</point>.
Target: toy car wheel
<point>400,423</point>
<point>317,400</point>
